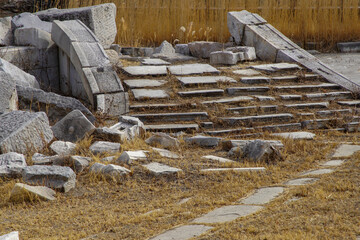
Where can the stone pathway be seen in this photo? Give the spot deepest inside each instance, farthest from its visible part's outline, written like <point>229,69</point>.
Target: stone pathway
<point>257,200</point>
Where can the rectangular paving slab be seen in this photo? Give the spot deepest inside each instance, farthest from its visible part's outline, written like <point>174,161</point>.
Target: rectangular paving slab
<point>189,81</point>
<point>172,127</point>
<point>202,93</point>
<point>263,196</point>
<point>227,213</point>
<point>247,90</point>
<point>259,118</point>
<point>330,95</point>
<point>354,103</point>
<point>307,87</point>
<point>308,105</point>
<point>276,67</point>
<point>301,181</point>
<point>229,100</point>
<point>183,232</point>
<point>154,61</point>
<point>143,94</point>
<point>218,159</point>
<point>345,151</point>
<point>333,163</point>
<point>247,72</point>
<point>144,83</point>
<point>317,172</point>
<point>160,169</point>
<point>290,78</point>
<point>255,80</point>
<point>145,70</point>
<point>190,69</point>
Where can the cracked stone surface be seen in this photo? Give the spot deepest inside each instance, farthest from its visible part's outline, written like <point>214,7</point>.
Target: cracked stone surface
<point>263,195</point>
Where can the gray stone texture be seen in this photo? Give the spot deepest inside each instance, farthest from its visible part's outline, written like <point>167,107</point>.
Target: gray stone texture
<point>110,170</point>
<point>73,127</point>
<point>227,213</point>
<point>158,169</point>
<point>163,140</point>
<point>129,156</point>
<point>77,163</point>
<point>263,196</point>
<point>24,131</point>
<point>247,72</point>
<point>100,147</point>
<point>225,58</point>
<point>41,159</point>
<point>165,153</point>
<point>23,192</point>
<point>63,148</point>
<point>203,141</point>
<point>10,236</point>
<point>259,151</point>
<point>6,34</point>
<point>183,232</point>
<point>218,159</point>
<point>189,69</point>
<point>55,105</point>
<point>154,61</point>
<point>144,83</point>
<point>301,181</point>
<point>56,177</point>
<point>248,52</point>
<point>108,134</point>
<point>145,70</point>
<point>165,48</point>
<point>345,151</point>
<point>113,104</point>
<point>182,49</point>
<point>296,135</point>
<point>333,163</point>
<point>188,81</point>
<point>8,94</point>
<point>29,20</point>
<point>32,36</point>
<point>11,164</point>
<point>251,169</point>
<point>132,126</point>
<point>317,172</point>
<point>276,67</point>
<point>100,19</point>
<point>143,94</point>
<point>203,49</point>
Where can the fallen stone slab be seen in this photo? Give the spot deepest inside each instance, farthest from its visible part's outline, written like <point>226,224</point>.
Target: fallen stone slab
<point>264,98</point>
<point>129,156</point>
<point>100,147</point>
<point>23,192</point>
<point>163,140</point>
<point>258,151</point>
<point>190,69</point>
<point>345,151</point>
<point>182,49</point>
<point>172,117</point>
<point>229,144</point>
<point>6,34</point>
<point>173,127</point>
<point>11,165</point>
<point>10,236</point>
<point>229,100</point>
<point>227,214</point>
<point>131,126</point>
<point>254,169</point>
<point>248,52</point>
<point>8,94</point>
<point>110,170</point>
<point>21,78</point>
<point>202,93</point>
<point>296,135</point>
<point>144,83</point>
<point>24,131</point>
<point>108,134</point>
<point>113,104</point>
<point>203,141</point>
<point>160,169</point>
<point>247,72</point>
<point>56,177</point>
<point>218,159</point>
<point>100,19</point>
<point>144,94</point>
<point>33,36</point>
<point>203,49</point>
<point>165,48</point>
<point>166,153</point>
<point>301,181</point>
<point>317,172</point>
<point>263,196</point>
<point>55,105</point>
<point>63,148</point>
<point>276,67</point>
<point>225,58</point>
<point>145,70</point>
<point>333,163</point>
<point>348,47</point>
<point>77,163</point>
<point>190,81</point>
<point>183,233</point>
<point>41,159</point>
<point>73,127</point>
<point>29,20</point>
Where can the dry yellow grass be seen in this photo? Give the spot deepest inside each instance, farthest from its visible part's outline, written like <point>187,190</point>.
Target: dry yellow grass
<point>149,22</point>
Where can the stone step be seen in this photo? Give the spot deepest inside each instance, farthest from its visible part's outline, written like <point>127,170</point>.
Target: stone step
<point>354,103</point>
<point>282,117</point>
<point>202,93</point>
<point>263,98</point>
<point>304,88</point>
<point>321,123</point>
<point>290,97</point>
<point>191,81</point>
<point>330,95</point>
<point>172,117</point>
<point>276,67</point>
<point>246,90</point>
<point>289,78</point>
<point>265,108</point>
<point>190,69</point>
<point>328,113</point>
<point>144,83</point>
<point>229,100</point>
<point>172,127</point>
<point>145,70</point>
<point>141,107</point>
<point>308,105</point>
<point>147,94</point>
<point>255,80</point>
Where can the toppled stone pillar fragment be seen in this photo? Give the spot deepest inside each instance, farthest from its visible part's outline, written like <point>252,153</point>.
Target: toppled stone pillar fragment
<point>24,131</point>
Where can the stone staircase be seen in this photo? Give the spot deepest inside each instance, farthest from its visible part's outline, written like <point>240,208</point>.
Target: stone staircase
<point>238,102</point>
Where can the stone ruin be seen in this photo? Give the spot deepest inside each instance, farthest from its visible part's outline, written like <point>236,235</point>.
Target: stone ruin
<point>59,67</point>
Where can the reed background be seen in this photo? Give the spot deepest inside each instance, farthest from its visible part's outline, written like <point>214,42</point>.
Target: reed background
<point>149,22</point>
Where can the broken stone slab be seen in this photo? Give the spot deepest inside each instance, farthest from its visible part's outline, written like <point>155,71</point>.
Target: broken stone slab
<point>172,117</point>
<point>225,58</point>
<point>175,57</point>
<point>165,48</point>
<point>87,55</point>
<point>109,134</point>
<point>163,140</point>
<point>264,98</point>
<point>29,20</point>
<point>296,135</point>
<point>173,127</point>
<point>253,169</point>
<point>218,159</point>
<point>263,196</point>
<point>229,100</point>
<point>203,141</point>
<point>11,165</point>
<point>10,236</point>
<point>108,159</point>
<point>63,148</point>
<point>33,36</point>
<point>154,62</point>
<point>317,172</point>
<point>247,72</point>
<point>190,69</point>
<point>144,83</point>
<point>255,80</point>
<point>21,78</point>
<point>248,52</point>
<point>145,70</point>
<point>260,151</point>
<point>301,181</point>
<point>236,22</point>
<point>131,126</point>
<point>276,67</point>
<point>160,169</point>
<point>129,156</point>
<point>203,49</point>
<point>182,49</point>
<point>24,131</point>
<point>229,144</point>
<point>113,104</point>
<point>100,147</point>
<point>41,159</point>
<point>56,177</point>
<point>57,106</point>
<point>6,34</point>
<point>8,94</point>
<point>23,192</point>
<point>166,153</point>
<point>100,19</point>
<point>227,213</point>
<point>110,170</point>
<point>143,94</point>
<point>73,127</point>
<point>246,90</point>
<point>202,93</point>
<point>189,81</point>
<point>345,151</point>
<point>183,232</point>
<point>77,163</point>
